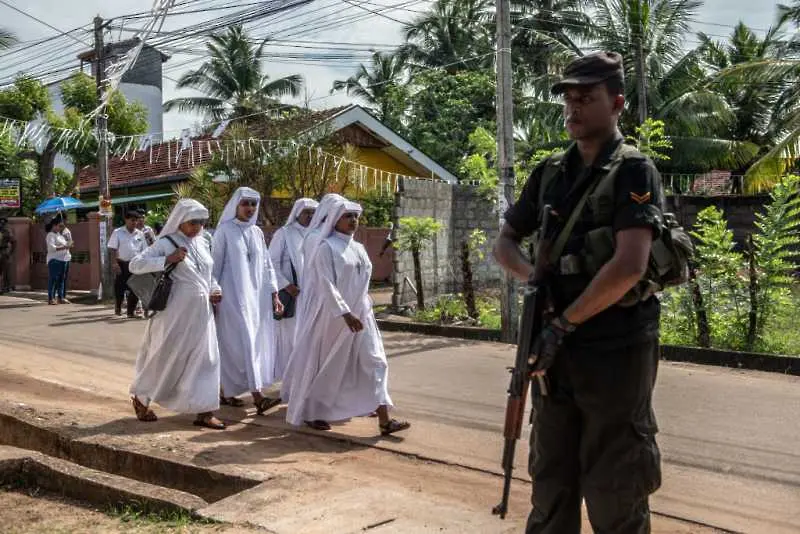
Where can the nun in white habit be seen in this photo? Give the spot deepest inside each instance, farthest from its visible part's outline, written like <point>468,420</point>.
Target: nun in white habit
<point>310,242</point>
<point>286,250</point>
<point>340,367</point>
<point>178,363</point>
<point>245,327</point>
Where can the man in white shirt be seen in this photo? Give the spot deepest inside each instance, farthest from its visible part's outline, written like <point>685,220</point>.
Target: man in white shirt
<point>125,243</point>
<point>149,234</point>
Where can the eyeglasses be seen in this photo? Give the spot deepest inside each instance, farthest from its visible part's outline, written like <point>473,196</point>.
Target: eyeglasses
<point>197,222</point>
<point>250,203</point>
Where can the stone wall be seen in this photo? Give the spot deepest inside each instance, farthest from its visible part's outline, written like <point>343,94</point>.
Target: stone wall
<point>460,211</point>
<point>740,211</point>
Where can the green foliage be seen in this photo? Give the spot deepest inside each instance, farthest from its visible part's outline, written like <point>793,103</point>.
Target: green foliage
<point>201,187</point>
<point>444,110</point>
<point>25,100</point>
<point>475,243</point>
<point>377,207</point>
<point>79,96</point>
<point>721,279</point>
<point>776,244</point>
<point>651,141</point>
<point>159,213</point>
<point>415,232</point>
<point>450,309</point>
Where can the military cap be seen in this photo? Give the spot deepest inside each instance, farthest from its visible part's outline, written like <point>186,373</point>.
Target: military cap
<point>591,69</point>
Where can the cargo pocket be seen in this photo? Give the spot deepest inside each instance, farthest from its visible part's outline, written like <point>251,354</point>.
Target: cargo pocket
<point>647,456</point>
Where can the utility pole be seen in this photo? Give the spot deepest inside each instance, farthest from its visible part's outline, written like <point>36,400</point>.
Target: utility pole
<point>101,123</point>
<point>641,74</point>
<point>509,307</point>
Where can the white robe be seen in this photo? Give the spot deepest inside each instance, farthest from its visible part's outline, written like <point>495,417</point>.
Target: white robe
<point>334,373</point>
<point>286,252</point>
<point>178,362</point>
<point>245,327</point>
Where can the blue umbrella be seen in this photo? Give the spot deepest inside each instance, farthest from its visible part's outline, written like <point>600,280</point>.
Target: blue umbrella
<point>52,205</point>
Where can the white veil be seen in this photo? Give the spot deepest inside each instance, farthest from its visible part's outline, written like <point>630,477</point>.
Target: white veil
<point>186,209</point>
<point>336,209</point>
<point>322,210</point>
<point>300,205</point>
<point>243,193</point>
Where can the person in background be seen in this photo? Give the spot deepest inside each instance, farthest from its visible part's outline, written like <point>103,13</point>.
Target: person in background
<point>245,324</point>
<point>178,364</point>
<point>7,246</point>
<point>58,257</point>
<point>125,243</point>
<point>68,236</point>
<point>149,234</point>
<point>389,240</point>
<point>286,250</point>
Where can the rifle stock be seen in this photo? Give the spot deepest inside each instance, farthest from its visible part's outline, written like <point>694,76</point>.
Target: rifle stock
<point>531,324</point>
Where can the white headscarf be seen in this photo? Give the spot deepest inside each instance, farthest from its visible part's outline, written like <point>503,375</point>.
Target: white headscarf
<point>186,209</point>
<point>300,205</point>
<point>231,208</point>
<point>322,210</point>
<point>335,212</point>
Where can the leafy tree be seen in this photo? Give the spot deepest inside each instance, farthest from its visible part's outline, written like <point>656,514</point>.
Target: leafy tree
<point>650,140</point>
<point>79,96</point>
<point>414,234</point>
<point>232,79</point>
<point>377,207</point>
<point>382,86</point>
<point>446,108</point>
<point>202,187</point>
<point>472,246</point>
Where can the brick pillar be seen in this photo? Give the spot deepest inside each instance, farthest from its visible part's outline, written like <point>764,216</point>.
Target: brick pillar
<point>21,260</point>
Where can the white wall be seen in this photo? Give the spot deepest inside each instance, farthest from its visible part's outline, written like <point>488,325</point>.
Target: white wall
<point>151,98</point>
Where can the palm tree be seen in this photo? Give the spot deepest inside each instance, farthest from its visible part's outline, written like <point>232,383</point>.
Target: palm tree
<point>378,85</point>
<point>778,75</point>
<point>652,32</point>
<point>232,79</point>
<point>454,34</point>
<point>547,33</point>
<point>7,39</point>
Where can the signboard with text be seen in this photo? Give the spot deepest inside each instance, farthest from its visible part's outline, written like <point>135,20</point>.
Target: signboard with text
<point>9,193</point>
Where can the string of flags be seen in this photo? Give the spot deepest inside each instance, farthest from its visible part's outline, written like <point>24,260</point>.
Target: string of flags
<point>188,152</point>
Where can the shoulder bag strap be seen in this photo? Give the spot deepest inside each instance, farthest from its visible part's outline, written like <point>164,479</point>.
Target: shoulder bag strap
<point>174,265</point>
<point>563,236</point>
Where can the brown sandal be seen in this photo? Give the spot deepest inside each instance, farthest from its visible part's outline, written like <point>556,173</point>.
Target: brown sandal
<point>319,425</point>
<point>143,413</point>
<point>392,426</point>
<point>266,404</point>
<point>208,420</point>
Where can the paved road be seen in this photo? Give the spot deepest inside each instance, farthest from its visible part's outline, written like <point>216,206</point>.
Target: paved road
<point>729,438</point>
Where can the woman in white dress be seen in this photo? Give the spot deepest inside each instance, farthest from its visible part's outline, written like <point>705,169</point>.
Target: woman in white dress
<point>178,363</point>
<point>286,250</point>
<point>340,368</point>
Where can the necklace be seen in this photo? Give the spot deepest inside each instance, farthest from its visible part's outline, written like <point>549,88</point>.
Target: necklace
<point>246,242</point>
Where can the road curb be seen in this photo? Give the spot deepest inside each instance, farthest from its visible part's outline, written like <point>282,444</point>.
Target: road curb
<point>771,363</point>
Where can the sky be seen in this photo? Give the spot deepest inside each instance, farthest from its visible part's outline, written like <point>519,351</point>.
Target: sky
<point>309,28</point>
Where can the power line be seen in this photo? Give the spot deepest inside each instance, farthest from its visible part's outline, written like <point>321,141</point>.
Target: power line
<point>40,21</point>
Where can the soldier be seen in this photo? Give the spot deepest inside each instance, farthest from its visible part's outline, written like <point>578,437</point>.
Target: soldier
<point>7,246</point>
<point>593,434</point>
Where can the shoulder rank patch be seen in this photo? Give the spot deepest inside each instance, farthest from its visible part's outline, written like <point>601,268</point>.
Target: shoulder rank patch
<point>640,199</point>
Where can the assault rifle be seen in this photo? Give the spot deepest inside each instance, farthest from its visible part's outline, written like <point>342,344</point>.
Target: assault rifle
<point>533,309</point>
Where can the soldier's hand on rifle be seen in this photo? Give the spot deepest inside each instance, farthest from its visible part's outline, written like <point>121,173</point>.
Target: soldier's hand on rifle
<point>546,345</point>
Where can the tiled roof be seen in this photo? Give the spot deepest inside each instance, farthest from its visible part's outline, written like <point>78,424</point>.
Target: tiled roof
<point>165,161</point>
<point>162,162</point>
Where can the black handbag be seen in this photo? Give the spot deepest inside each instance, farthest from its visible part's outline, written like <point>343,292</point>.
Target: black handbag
<point>289,302</point>
<point>153,289</point>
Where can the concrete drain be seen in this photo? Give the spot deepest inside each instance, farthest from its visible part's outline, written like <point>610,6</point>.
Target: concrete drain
<point>206,484</point>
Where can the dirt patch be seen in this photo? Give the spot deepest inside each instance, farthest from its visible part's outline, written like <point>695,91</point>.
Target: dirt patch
<point>24,513</point>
